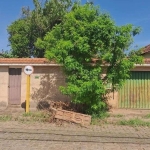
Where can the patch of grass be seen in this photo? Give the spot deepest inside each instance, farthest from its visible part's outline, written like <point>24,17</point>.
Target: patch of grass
<point>29,114</point>
<point>5,118</point>
<point>147,116</point>
<point>118,115</point>
<point>102,115</point>
<point>38,116</point>
<point>134,122</point>
<point>98,119</point>
<point>35,116</point>
<point>94,121</point>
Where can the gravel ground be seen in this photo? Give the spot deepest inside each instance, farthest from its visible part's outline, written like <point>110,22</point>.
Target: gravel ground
<point>38,136</point>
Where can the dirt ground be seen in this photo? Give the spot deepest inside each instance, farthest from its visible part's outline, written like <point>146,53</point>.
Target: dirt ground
<point>38,136</point>
<point>29,132</point>
<point>114,115</point>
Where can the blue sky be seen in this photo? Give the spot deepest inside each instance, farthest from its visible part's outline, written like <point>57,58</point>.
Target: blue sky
<point>122,12</point>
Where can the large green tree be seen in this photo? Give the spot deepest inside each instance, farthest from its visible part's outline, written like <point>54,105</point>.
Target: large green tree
<point>34,24</point>
<point>89,44</point>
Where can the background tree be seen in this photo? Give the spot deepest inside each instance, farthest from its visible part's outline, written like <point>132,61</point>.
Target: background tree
<point>84,34</point>
<point>34,24</point>
<point>5,54</point>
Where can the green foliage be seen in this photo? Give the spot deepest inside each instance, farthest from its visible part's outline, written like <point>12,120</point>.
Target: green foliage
<point>34,24</point>
<point>84,34</point>
<point>134,122</point>
<point>136,56</point>
<point>6,54</point>
<point>147,116</point>
<point>40,116</point>
<point>5,118</point>
<point>118,115</point>
<point>100,118</point>
<point>101,115</point>
<point>19,38</point>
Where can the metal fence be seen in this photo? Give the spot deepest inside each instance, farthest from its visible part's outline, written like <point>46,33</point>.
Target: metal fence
<point>136,91</point>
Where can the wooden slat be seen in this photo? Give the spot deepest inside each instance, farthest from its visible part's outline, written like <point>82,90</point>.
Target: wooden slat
<point>73,117</point>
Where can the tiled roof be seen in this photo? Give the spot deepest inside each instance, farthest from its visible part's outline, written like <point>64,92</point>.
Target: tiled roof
<point>25,61</point>
<point>37,61</point>
<point>146,49</point>
<point>147,60</point>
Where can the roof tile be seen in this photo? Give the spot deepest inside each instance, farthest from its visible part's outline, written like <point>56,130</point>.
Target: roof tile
<point>25,61</point>
<point>146,49</point>
<point>37,61</point>
<point>147,60</point>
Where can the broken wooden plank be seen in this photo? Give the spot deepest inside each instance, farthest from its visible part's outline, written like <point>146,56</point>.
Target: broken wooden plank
<point>73,117</point>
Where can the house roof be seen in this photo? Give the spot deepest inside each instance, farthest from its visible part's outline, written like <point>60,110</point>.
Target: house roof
<point>38,61</point>
<point>25,61</point>
<point>146,49</point>
<point>147,61</point>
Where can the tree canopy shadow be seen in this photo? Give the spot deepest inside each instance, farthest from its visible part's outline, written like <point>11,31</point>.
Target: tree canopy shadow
<point>48,91</point>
